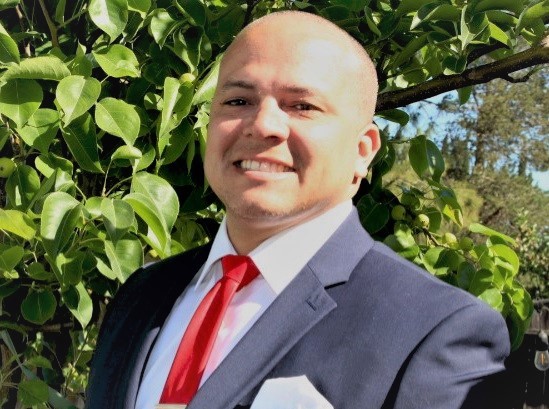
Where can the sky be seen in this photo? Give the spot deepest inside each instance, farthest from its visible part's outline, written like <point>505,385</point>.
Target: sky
<point>541,179</point>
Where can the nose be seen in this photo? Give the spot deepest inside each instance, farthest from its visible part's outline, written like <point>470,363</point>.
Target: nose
<point>269,121</point>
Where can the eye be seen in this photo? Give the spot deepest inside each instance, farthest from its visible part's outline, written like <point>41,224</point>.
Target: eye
<point>235,102</point>
<point>303,106</point>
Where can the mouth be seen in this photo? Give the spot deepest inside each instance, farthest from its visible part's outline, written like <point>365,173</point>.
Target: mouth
<point>262,166</point>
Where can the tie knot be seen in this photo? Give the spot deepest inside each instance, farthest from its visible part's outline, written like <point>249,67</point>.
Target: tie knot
<point>240,269</point>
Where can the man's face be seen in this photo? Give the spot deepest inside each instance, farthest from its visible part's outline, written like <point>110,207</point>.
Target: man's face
<point>286,137</point>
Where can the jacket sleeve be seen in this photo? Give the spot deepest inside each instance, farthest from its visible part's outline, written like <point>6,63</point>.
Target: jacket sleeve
<point>459,364</point>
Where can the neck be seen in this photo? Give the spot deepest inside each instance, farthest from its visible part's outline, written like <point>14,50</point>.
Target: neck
<point>246,236</point>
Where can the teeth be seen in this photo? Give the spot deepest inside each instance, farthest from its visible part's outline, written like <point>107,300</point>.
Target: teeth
<point>255,165</point>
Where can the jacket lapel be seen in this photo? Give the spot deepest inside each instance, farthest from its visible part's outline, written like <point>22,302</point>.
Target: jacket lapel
<point>151,316</point>
<point>296,310</point>
<point>271,337</point>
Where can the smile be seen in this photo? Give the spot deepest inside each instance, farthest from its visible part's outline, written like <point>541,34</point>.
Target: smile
<point>261,166</point>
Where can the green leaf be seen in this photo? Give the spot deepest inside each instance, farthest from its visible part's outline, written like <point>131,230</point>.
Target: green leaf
<point>434,12</point>
<point>110,16</point>
<point>76,95</point>
<point>493,298</point>
<point>141,6</point>
<point>8,287</point>
<point>69,267</point>
<point>6,4</point>
<point>206,89</point>
<point>4,136</point>
<point>157,234</point>
<point>408,6</point>
<point>125,256</point>
<point>454,65</point>
<point>522,303</point>
<point>10,257</point>
<point>353,5</point>
<point>395,115</point>
<point>465,274</point>
<point>499,35</point>
<point>510,5</point>
<point>187,46</point>
<point>80,64</point>
<point>506,253</point>
<point>38,306</point>
<point>127,152</point>
<point>368,16</point>
<point>38,362</point>
<point>19,99</point>
<point>41,129</point>
<point>177,99</point>
<point>403,242</point>
<point>193,10</point>
<point>425,158</point>
<point>486,231</point>
<point>409,50</point>
<point>179,139</point>
<point>481,281</point>
<point>117,61</point>
<point>36,271</point>
<point>48,164</point>
<point>441,261</point>
<point>59,15</point>
<point>18,223</point>
<point>162,25</point>
<point>46,67</point>
<point>22,185</point>
<point>60,214</point>
<point>32,392</point>
<point>373,215</point>
<point>118,118</point>
<point>118,216</point>
<point>159,192</point>
<point>539,10</point>
<point>464,94</point>
<point>9,52</point>
<point>82,309</point>
<point>149,155</point>
<point>82,142</point>
<point>447,201</point>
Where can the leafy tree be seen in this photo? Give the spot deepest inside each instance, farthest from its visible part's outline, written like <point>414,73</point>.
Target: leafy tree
<point>104,106</point>
<point>504,126</point>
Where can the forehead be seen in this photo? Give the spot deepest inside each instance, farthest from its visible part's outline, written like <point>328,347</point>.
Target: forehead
<point>316,61</point>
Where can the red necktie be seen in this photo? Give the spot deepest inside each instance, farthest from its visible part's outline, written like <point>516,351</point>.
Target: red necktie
<point>197,342</point>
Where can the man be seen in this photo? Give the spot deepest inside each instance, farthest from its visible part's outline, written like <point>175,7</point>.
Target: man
<point>333,319</point>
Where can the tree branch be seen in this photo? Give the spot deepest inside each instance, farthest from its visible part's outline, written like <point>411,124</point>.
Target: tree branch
<point>51,25</point>
<point>249,10</point>
<point>473,76</point>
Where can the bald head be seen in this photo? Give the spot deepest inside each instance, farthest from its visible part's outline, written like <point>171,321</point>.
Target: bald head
<point>288,28</point>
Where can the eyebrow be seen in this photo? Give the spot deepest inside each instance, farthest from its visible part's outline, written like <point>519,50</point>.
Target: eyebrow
<point>237,84</point>
<point>293,89</point>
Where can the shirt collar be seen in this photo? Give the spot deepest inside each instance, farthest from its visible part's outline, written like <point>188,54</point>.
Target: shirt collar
<point>281,257</point>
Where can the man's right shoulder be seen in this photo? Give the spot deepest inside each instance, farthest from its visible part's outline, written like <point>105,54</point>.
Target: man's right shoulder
<point>163,275</point>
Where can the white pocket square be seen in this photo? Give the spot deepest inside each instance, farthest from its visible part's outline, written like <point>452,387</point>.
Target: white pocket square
<point>289,393</point>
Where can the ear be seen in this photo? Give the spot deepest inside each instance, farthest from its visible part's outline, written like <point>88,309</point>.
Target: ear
<point>368,145</point>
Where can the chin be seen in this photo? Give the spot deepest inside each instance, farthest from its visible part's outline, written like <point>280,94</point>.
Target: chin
<point>262,212</point>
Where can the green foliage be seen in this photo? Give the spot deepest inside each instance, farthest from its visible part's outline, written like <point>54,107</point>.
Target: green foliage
<point>104,108</point>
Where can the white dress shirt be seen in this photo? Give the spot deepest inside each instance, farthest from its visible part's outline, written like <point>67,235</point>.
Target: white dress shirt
<point>279,259</point>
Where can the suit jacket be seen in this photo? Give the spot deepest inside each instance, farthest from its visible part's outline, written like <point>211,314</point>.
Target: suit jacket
<point>367,328</point>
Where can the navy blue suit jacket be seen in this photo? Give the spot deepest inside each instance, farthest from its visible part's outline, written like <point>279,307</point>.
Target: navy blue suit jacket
<point>368,329</point>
